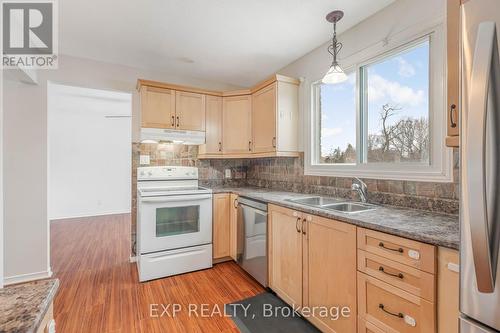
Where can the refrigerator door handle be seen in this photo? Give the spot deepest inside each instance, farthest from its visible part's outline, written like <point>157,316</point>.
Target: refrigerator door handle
<point>475,150</point>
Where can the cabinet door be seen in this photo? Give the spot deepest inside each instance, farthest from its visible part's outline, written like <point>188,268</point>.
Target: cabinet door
<point>190,111</point>
<point>285,254</point>
<point>213,112</point>
<point>233,220</point>
<point>448,290</point>
<point>264,119</point>
<point>221,225</point>
<point>157,107</point>
<point>237,124</point>
<point>331,272</point>
<point>453,51</point>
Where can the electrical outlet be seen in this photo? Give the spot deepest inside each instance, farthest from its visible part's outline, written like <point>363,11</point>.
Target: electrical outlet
<point>227,173</point>
<point>144,160</point>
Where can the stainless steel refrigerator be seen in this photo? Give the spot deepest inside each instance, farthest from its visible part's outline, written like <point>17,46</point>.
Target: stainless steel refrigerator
<point>480,167</point>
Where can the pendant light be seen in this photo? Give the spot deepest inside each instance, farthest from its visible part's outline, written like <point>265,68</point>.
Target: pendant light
<point>335,74</point>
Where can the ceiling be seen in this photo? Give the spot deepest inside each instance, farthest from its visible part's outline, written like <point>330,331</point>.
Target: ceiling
<point>238,42</point>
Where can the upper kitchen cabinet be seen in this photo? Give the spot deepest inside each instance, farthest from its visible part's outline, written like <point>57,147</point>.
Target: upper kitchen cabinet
<point>190,111</point>
<point>237,125</point>
<point>274,117</point>
<point>453,67</point>
<point>172,106</point>
<point>157,107</point>
<point>213,114</point>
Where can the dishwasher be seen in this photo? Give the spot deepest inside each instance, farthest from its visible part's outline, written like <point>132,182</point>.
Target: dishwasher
<point>251,244</point>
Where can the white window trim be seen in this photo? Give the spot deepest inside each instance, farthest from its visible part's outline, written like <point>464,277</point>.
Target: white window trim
<point>440,168</point>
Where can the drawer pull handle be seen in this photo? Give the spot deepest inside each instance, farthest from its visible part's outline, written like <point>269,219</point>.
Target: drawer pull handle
<point>399,314</point>
<point>297,224</point>
<point>399,249</point>
<point>399,275</point>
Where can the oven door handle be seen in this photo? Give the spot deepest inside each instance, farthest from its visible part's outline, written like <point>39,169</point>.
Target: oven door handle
<point>177,198</point>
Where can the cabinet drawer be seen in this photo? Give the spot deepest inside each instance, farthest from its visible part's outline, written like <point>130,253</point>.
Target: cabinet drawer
<point>412,280</point>
<point>412,253</point>
<point>367,327</point>
<point>392,309</point>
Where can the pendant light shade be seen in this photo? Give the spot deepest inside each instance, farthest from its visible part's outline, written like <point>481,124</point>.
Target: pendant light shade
<point>335,74</point>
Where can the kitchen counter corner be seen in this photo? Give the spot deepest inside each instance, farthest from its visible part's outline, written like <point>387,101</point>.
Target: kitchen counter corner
<point>23,306</point>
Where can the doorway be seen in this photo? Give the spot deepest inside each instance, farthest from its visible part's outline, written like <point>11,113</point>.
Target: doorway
<point>89,152</point>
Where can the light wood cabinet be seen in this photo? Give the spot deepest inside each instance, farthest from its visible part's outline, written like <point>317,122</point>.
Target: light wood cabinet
<point>274,118</point>
<point>416,282</point>
<point>190,111</point>
<point>157,107</point>
<point>453,70</point>
<point>233,220</point>
<point>367,327</point>
<point>237,125</point>
<point>396,283</point>
<point>47,321</point>
<point>405,251</point>
<point>221,225</point>
<point>213,125</point>
<point>264,119</point>
<point>393,309</point>
<point>330,271</point>
<point>448,290</point>
<point>285,254</point>
<point>305,254</point>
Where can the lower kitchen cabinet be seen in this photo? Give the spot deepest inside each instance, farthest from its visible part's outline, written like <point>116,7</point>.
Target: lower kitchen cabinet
<point>285,254</point>
<point>389,283</point>
<point>330,272</point>
<point>448,290</point>
<point>221,225</point>
<point>312,265</point>
<point>233,221</point>
<point>393,309</point>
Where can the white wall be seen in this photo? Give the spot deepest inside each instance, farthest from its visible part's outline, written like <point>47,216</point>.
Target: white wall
<point>89,146</point>
<point>396,21</point>
<point>26,227</point>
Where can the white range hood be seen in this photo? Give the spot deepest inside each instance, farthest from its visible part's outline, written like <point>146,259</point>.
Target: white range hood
<point>171,135</point>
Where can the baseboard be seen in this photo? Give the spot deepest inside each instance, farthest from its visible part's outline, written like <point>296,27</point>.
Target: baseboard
<point>27,277</point>
<point>133,259</point>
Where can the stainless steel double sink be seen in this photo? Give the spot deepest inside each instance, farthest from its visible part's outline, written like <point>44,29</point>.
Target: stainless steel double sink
<point>334,204</point>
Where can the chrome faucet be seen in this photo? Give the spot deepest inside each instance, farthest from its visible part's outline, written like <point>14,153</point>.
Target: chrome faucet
<point>360,187</point>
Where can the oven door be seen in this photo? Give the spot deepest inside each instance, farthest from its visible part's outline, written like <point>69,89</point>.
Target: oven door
<point>172,222</point>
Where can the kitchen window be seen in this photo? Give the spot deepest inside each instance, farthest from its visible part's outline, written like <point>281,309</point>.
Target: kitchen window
<point>387,120</point>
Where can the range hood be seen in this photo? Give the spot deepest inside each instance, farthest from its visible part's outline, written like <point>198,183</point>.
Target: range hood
<point>157,135</point>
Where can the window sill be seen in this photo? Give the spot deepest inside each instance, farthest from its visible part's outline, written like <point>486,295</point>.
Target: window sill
<point>428,175</point>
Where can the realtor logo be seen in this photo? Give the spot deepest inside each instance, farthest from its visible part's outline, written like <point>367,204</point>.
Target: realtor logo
<point>29,36</point>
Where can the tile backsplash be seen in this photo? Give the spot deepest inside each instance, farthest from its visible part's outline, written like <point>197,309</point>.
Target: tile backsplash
<point>287,174</point>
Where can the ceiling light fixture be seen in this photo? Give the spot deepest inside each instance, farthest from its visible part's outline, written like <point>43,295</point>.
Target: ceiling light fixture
<point>335,74</point>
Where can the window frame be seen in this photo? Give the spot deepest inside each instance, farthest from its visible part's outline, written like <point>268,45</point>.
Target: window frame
<point>439,168</point>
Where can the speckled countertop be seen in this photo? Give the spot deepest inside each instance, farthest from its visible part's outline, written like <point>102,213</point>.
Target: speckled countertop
<point>427,227</point>
<point>23,306</point>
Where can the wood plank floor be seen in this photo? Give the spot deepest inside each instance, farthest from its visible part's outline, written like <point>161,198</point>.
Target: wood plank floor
<point>100,291</point>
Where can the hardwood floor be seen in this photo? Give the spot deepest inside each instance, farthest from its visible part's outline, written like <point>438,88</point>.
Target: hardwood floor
<point>100,291</point>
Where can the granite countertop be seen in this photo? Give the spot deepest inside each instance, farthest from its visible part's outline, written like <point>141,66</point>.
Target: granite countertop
<point>23,306</point>
<point>428,227</point>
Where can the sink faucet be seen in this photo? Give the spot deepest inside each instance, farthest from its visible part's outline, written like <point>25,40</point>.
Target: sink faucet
<point>359,186</point>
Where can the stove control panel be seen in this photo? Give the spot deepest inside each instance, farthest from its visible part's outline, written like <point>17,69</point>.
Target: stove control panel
<point>167,173</point>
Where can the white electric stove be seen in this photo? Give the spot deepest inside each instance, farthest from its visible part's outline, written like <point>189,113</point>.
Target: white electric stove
<point>174,222</point>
